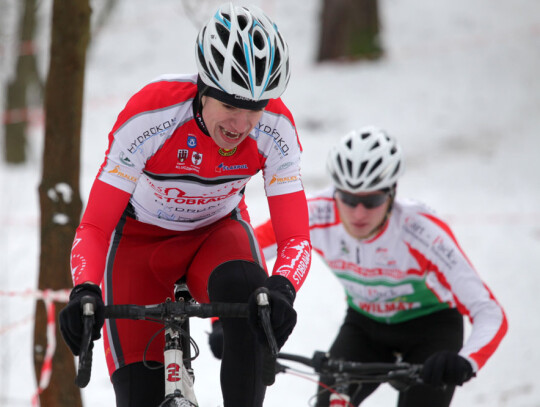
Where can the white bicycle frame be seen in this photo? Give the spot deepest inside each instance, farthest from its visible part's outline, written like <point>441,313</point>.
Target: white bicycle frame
<point>178,381</point>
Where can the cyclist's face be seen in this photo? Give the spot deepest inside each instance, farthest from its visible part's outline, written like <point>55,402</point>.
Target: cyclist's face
<point>359,221</point>
<point>228,125</point>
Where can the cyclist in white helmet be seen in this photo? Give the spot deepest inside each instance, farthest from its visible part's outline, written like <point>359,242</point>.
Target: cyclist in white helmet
<point>168,203</point>
<point>408,284</point>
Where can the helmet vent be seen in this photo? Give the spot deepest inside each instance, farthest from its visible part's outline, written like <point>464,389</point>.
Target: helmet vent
<point>202,60</point>
<point>374,146</point>
<point>259,69</point>
<point>277,62</point>
<point>258,40</point>
<point>396,170</point>
<point>375,166</point>
<point>349,167</point>
<point>362,168</point>
<point>218,58</point>
<point>340,164</point>
<point>238,80</point>
<point>274,83</point>
<point>242,22</point>
<point>223,34</point>
<point>365,135</point>
<point>239,57</point>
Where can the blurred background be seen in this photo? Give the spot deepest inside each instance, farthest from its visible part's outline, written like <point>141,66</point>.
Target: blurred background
<point>457,82</point>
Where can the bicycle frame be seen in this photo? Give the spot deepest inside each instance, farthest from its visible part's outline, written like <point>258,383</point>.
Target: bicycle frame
<point>179,375</point>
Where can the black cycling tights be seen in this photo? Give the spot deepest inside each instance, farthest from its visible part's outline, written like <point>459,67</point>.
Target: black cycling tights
<point>365,340</point>
<point>241,365</point>
<point>137,386</point>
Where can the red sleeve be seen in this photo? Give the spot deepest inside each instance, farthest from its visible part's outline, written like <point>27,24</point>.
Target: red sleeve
<point>290,222</point>
<point>89,251</point>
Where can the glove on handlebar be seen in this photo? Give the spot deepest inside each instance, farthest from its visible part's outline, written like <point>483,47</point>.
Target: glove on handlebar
<point>282,313</point>
<point>71,319</point>
<point>446,367</point>
<point>215,339</point>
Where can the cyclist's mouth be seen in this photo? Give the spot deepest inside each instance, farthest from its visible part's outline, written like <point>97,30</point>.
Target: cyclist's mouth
<point>231,135</point>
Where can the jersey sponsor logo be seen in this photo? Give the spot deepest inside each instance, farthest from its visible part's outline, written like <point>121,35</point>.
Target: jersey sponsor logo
<point>151,132</point>
<point>366,272</point>
<point>444,251</point>
<point>182,155</point>
<point>223,167</point>
<point>383,257</point>
<point>320,215</point>
<point>286,165</point>
<point>299,259</point>
<point>177,196</point>
<point>386,308</point>
<point>192,141</point>
<point>196,158</point>
<point>116,171</point>
<point>227,153</point>
<point>279,142</point>
<point>377,293</point>
<point>125,160</point>
<point>416,229</point>
<point>282,180</point>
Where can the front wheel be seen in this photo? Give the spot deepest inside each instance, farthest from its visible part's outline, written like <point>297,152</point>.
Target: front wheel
<point>177,401</point>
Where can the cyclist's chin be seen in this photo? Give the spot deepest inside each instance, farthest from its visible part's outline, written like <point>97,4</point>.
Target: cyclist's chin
<point>359,232</point>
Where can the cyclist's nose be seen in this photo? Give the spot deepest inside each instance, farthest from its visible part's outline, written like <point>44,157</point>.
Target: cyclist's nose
<point>242,121</point>
<point>359,211</point>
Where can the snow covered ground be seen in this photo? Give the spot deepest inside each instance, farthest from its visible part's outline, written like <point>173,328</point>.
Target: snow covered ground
<point>459,87</point>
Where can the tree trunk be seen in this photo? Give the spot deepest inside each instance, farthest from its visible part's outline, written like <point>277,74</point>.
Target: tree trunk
<point>60,200</point>
<point>20,88</point>
<point>349,30</point>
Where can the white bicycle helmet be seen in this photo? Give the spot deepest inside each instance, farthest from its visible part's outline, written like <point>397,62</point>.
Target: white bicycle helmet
<point>365,160</point>
<point>241,52</point>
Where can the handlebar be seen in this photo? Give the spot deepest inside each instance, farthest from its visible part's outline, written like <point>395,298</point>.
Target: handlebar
<point>163,312</point>
<point>401,375</point>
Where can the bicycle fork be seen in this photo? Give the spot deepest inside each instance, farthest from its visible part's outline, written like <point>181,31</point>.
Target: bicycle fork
<point>178,379</point>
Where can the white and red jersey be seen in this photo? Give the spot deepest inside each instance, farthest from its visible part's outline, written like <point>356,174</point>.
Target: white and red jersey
<point>413,267</point>
<point>170,173</point>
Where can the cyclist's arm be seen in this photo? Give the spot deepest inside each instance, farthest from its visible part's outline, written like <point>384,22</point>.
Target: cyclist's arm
<point>290,222</point>
<point>471,296</point>
<point>89,251</point>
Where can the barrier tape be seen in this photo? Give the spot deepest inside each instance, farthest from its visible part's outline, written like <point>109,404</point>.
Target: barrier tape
<point>48,297</point>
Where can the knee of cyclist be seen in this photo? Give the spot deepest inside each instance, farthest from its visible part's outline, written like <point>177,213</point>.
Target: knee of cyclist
<point>235,280</point>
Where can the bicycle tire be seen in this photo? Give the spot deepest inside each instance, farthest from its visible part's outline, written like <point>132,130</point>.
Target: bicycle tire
<point>177,402</point>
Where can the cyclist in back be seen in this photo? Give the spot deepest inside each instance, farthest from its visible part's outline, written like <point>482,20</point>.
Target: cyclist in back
<point>168,202</point>
<point>407,281</point>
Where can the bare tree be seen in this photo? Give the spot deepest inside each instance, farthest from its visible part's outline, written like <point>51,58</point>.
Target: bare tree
<point>24,89</point>
<point>60,201</point>
<point>349,30</point>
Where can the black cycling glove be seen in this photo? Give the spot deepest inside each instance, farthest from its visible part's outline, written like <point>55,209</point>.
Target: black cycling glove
<point>282,313</point>
<point>446,367</point>
<point>215,339</point>
<point>70,318</point>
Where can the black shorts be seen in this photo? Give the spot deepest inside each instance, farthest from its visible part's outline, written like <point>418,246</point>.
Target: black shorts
<point>362,339</point>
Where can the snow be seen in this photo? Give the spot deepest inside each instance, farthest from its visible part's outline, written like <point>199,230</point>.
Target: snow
<point>459,87</point>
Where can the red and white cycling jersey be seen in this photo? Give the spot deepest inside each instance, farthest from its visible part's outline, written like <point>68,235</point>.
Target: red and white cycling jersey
<point>413,267</point>
<point>173,175</point>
